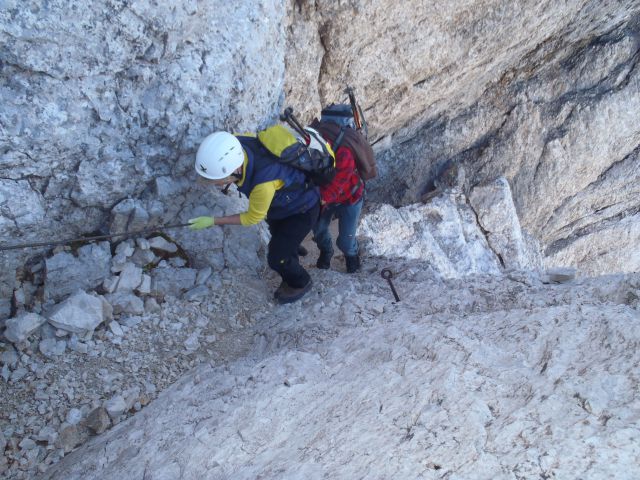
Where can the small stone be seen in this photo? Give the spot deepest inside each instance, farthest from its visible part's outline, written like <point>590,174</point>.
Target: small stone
<point>6,373</point>
<point>131,322</point>
<point>173,281</point>
<point>115,406</point>
<point>130,278</point>
<point>74,416</point>
<point>159,243</point>
<point>77,346</point>
<point>203,275</point>
<point>131,396</point>
<point>143,243</point>
<point>9,356</point>
<point>142,258</point>
<point>192,343</point>
<point>177,262</point>
<point>98,420</point>
<point>145,285</point>
<point>124,302</point>
<point>81,313</point>
<point>47,434</point>
<point>47,331</point>
<point>60,333</point>
<point>52,348</point>
<point>125,248</point>
<point>18,374</point>
<point>116,328</point>
<point>41,395</point>
<point>27,444</point>
<point>151,305</point>
<point>150,388</point>
<point>68,438</point>
<point>198,293</point>
<point>19,328</point>
<point>110,284</point>
<point>118,263</point>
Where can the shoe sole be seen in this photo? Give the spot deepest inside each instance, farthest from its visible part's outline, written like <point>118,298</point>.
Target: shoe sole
<point>295,298</point>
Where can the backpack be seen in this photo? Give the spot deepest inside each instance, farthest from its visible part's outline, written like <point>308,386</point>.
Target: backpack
<point>338,125</point>
<point>316,159</point>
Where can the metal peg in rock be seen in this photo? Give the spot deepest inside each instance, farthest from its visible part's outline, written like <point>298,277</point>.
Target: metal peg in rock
<point>387,274</point>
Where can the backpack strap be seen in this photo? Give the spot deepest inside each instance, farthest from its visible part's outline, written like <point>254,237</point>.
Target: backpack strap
<point>339,138</point>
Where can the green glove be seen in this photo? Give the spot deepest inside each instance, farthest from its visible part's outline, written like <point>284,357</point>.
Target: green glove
<point>200,223</point>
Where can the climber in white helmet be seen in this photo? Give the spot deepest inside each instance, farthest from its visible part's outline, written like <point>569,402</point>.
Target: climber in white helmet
<point>277,193</point>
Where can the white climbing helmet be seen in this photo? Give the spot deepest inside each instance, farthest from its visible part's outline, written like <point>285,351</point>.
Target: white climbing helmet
<point>218,156</point>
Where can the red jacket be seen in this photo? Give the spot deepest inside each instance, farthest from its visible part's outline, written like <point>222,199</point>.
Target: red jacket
<point>347,187</point>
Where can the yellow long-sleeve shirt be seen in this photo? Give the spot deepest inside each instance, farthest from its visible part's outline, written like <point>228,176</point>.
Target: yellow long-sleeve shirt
<point>260,198</point>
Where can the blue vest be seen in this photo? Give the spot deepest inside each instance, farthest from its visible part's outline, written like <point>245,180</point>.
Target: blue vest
<point>295,197</point>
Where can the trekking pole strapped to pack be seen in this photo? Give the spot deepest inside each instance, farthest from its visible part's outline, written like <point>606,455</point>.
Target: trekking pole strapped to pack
<point>287,116</point>
<point>358,116</point>
<point>308,152</point>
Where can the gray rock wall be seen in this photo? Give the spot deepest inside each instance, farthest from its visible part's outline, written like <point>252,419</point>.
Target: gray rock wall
<point>561,125</point>
<point>100,100</point>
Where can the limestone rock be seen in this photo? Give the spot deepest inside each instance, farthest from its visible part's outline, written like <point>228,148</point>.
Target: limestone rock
<point>69,437</point>
<point>128,216</point>
<point>51,348</point>
<point>129,279</point>
<point>98,420</point>
<point>145,285</point>
<point>143,257</point>
<point>81,313</point>
<point>498,218</point>
<point>19,328</point>
<point>67,273</point>
<point>115,406</point>
<point>125,302</point>
<point>173,281</point>
<point>442,232</point>
<point>198,293</point>
<point>159,243</point>
<point>151,305</point>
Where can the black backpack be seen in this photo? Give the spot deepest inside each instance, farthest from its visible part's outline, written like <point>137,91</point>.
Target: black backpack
<point>312,155</point>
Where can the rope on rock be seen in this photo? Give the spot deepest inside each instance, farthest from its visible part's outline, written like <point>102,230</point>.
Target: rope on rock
<point>92,238</point>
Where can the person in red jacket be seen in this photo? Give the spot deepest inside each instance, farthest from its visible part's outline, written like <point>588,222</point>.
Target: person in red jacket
<point>341,199</point>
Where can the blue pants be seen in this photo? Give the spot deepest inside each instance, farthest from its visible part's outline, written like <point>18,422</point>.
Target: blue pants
<point>348,217</point>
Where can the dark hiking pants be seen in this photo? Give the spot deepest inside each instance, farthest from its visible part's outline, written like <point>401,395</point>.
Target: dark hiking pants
<point>286,236</point>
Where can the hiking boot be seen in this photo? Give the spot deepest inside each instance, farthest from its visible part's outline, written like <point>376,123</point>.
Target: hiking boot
<point>289,294</point>
<point>324,260</point>
<point>353,263</point>
<point>283,286</point>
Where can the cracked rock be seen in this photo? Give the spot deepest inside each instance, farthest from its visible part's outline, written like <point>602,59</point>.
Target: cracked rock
<point>19,328</point>
<point>67,274</point>
<point>80,313</point>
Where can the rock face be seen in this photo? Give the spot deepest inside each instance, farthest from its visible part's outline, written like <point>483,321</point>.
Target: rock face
<point>443,233</point>
<point>105,106</point>
<point>474,379</point>
<point>498,219</point>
